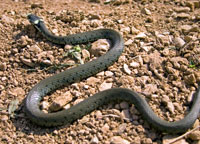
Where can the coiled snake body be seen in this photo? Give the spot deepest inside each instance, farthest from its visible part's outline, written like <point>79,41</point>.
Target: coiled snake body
<point>83,71</point>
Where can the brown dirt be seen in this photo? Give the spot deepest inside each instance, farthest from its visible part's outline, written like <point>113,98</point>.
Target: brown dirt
<point>167,74</point>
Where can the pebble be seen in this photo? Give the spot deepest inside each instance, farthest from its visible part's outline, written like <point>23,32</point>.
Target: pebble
<point>126,114</point>
<point>4,118</point>
<point>27,62</point>
<point>85,54</point>
<point>150,89</point>
<point>118,140</point>
<point>60,101</point>
<point>134,64</point>
<point>124,105</point>
<point>78,101</point>
<point>45,105</point>
<point>3,66</point>
<point>165,39</point>
<point>190,79</point>
<point>182,15</point>
<point>109,73</point>
<point>35,48</point>
<point>105,86</point>
<point>94,140</point>
<point>92,81</point>
<point>182,9</point>
<point>7,19</point>
<point>179,42</point>
<point>47,62</point>
<point>128,42</point>
<point>105,128</point>
<point>126,69</point>
<point>186,28</point>
<point>99,47</point>
<point>121,128</point>
<point>170,106</point>
<point>134,30</point>
<point>146,11</point>
<point>98,114</point>
<point>18,91</point>
<point>141,35</point>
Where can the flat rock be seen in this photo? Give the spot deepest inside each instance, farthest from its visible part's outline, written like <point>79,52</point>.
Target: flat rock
<point>119,140</point>
<point>99,47</point>
<point>60,101</point>
<point>105,86</point>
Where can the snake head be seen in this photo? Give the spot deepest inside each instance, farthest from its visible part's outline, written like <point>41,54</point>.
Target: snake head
<point>35,20</point>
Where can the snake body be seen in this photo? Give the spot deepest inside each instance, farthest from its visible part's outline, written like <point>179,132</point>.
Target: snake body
<point>67,116</point>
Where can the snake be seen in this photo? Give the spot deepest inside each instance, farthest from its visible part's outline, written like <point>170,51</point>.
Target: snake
<point>68,116</point>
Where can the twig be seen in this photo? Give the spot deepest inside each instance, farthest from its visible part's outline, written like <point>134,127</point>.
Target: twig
<point>182,136</point>
<point>116,116</point>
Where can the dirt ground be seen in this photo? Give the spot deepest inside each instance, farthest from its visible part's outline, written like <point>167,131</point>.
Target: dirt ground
<point>160,61</point>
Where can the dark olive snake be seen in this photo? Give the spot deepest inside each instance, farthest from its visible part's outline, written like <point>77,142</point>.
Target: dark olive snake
<point>67,116</point>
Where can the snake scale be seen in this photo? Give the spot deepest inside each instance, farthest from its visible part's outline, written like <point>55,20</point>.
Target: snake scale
<point>67,116</point>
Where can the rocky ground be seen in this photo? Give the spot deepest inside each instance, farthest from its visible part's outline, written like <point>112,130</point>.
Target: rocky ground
<point>160,61</point>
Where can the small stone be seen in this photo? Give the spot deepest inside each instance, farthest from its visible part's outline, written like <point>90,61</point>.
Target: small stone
<point>150,89</point>
<point>67,47</point>
<point>124,105</point>
<point>121,128</point>
<point>109,73</point>
<point>36,5</point>
<point>126,69</point>
<point>78,101</point>
<point>190,79</point>
<point>118,140</point>
<point>194,135</point>
<point>146,11</point>
<point>4,118</point>
<point>18,91</point>
<point>128,42</point>
<point>60,101</point>
<point>3,66</point>
<point>134,64</point>
<point>85,54</point>
<point>35,48</point>
<point>170,106</point>
<point>94,140</point>
<point>182,9</point>
<point>141,35</point>
<point>47,62</point>
<point>105,128</point>
<point>182,15</point>
<point>126,114</point>
<point>134,30</point>
<point>186,28</point>
<point>100,47</point>
<point>179,42</point>
<point>45,105</point>
<point>105,86</point>
<point>92,81</point>
<point>27,62</point>
<point>7,19</point>
<point>165,39</point>
<point>165,99</point>
<point>98,114</point>
<point>125,30</point>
